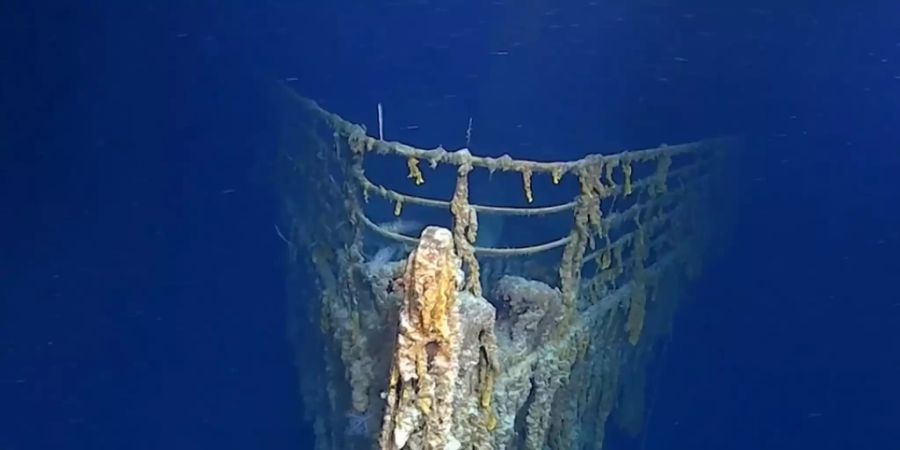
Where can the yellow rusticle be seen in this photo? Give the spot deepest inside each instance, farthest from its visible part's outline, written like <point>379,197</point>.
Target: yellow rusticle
<point>556,174</point>
<point>609,167</point>
<point>491,421</point>
<point>626,169</point>
<point>425,361</point>
<point>415,173</point>
<point>526,181</point>
<point>487,395</point>
<point>605,260</point>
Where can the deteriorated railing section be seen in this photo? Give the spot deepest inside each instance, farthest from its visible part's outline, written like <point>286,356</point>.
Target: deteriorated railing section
<point>411,361</point>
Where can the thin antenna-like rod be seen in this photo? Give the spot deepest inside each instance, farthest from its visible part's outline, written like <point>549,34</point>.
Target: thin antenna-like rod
<point>469,133</point>
<point>380,123</point>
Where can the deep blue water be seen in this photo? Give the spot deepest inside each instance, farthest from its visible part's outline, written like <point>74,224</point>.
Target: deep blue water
<point>141,283</point>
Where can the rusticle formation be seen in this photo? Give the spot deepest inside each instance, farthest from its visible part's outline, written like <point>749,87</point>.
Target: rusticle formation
<point>431,340</point>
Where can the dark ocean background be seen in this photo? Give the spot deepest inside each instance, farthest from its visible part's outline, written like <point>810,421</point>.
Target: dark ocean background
<point>142,284</point>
